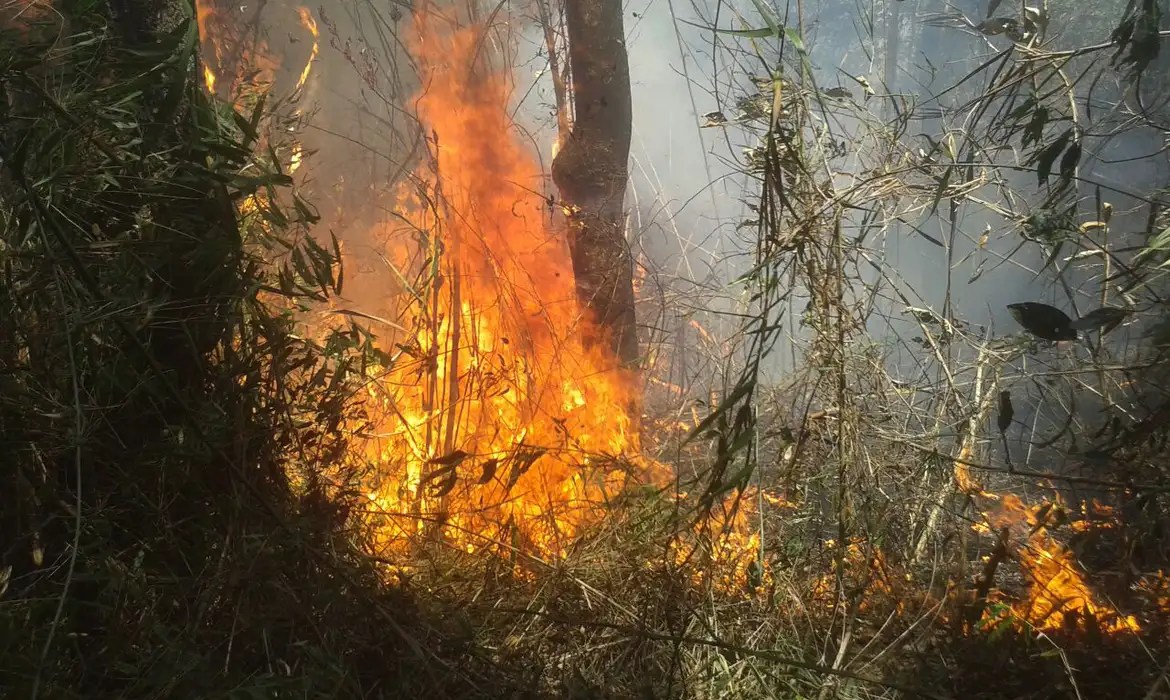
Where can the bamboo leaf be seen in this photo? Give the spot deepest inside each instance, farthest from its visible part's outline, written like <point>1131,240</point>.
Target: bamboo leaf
<point>1047,157</point>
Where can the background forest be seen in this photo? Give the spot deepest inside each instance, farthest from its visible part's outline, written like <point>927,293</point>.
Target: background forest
<point>298,397</point>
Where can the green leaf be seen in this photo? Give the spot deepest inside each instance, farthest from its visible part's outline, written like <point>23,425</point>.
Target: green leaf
<point>742,390</point>
<point>761,33</point>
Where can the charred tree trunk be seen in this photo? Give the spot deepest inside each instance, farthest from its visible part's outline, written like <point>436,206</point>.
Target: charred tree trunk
<point>591,172</point>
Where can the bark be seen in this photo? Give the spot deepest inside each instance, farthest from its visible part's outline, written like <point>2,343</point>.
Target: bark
<point>591,172</point>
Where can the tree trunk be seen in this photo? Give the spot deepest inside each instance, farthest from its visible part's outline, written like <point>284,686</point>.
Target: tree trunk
<point>590,170</point>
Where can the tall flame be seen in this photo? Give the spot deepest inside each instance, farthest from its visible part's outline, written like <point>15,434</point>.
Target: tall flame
<point>497,419</point>
<point>310,24</point>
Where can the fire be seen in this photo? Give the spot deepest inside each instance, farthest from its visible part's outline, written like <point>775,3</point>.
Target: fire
<point>233,63</point>
<point>1058,595</point>
<point>496,423</point>
<point>209,79</point>
<point>203,20</point>
<point>310,24</point>
<point>495,427</point>
<point>858,566</point>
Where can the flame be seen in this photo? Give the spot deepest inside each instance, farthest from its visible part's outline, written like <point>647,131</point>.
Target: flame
<point>310,24</point>
<point>236,64</point>
<point>1057,592</point>
<point>209,79</point>
<point>722,551</point>
<point>203,20</point>
<point>859,566</point>
<point>496,423</point>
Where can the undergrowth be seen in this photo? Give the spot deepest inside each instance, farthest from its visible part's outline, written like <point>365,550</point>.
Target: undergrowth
<point>162,419</point>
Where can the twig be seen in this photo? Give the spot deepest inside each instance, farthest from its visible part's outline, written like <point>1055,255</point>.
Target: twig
<point>720,644</point>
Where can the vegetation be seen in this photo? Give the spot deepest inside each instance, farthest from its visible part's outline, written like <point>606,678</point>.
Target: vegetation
<point>162,420</point>
<point>185,511</point>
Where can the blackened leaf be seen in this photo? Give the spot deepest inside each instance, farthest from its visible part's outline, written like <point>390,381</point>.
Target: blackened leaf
<point>1034,131</point>
<point>442,481</point>
<point>522,461</point>
<point>1106,316</point>
<point>1137,36</point>
<point>489,470</point>
<point>1041,518</point>
<point>1068,163</point>
<point>1043,321</point>
<point>449,460</point>
<point>997,25</point>
<point>1006,411</point>
<point>1046,157</point>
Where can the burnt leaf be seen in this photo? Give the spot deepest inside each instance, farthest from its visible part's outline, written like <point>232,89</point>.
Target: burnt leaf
<point>522,461</point>
<point>1006,411</point>
<point>1048,155</point>
<point>1137,36</point>
<point>1043,321</point>
<point>440,482</point>
<point>489,470</point>
<point>449,460</point>
<point>1068,162</point>
<point>1034,131</point>
<point>997,25</point>
<point>1106,318</point>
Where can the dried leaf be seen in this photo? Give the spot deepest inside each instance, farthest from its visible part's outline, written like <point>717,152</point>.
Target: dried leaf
<point>1006,412</point>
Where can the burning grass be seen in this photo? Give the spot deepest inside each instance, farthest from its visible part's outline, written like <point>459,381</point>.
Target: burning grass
<point>493,472</point>
<point>495,423</point>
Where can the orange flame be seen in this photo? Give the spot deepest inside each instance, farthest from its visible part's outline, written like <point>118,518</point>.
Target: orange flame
<point>496,419</point>
<point>310,24</point>
<point>1057,590</point>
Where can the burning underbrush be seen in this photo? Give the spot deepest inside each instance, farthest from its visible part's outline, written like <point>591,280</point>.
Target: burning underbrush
<point>500,515</point>
<point>508,472</point>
